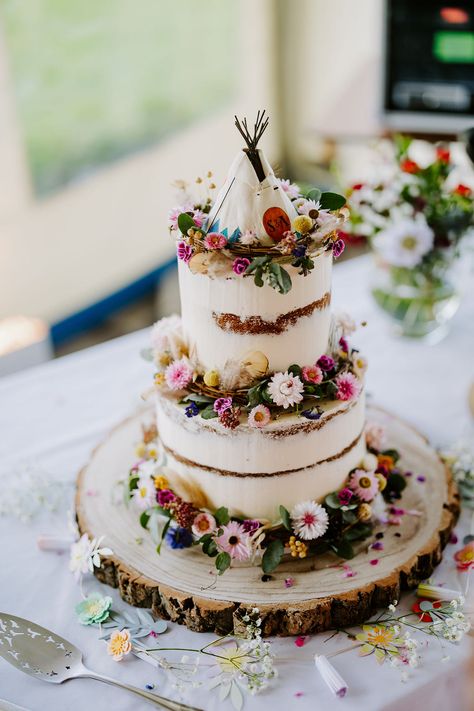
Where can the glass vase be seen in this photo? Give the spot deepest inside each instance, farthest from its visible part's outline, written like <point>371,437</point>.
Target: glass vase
<point>421,301</point>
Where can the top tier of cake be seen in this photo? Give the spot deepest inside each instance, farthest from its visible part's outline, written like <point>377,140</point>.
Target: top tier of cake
<point>225,318</point>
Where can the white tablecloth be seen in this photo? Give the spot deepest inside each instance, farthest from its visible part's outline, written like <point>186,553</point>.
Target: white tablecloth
<point>52,416</point>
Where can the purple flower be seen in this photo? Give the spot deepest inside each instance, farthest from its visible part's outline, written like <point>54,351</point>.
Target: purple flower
<point>338,247</point>
<point>164,496</point>
<point>250,525</point>
<point>191,410</point>
<point>184,251</point>
<point>377,546</point>
<point>222,404</point>
<point>299,251</point>
<point>313,414</point>
<point>178,537</point>
<point>326,362</point>
<point>239,265</point>
<point>343,344</point>
<point>344,496</point>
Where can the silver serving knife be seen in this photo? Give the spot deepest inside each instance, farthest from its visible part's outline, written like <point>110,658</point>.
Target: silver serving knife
<point>43,654</point>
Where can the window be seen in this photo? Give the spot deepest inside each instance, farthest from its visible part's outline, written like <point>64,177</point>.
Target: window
<point>95,81</point>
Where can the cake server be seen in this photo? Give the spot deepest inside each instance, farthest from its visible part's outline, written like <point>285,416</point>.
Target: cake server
<point>47,656</point>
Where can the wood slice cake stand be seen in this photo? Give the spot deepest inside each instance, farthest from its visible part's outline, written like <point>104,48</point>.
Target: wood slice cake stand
<point>181,585</point>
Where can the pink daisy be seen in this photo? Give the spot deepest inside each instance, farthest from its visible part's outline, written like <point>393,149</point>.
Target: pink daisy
<point>348,386</point>
<point>199,217</point>
<point>291,189</point>
<point>234,541</point>
<point>312,374</point>
<point>259,416</point>
<point>179,374</point>
<point>374,436</point>
<point>215,240</point>
<point>202,524</point>
<point>364,484</point>
<point>175,212</point>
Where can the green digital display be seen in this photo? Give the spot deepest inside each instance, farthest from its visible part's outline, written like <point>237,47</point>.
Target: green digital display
<point>454,47</point>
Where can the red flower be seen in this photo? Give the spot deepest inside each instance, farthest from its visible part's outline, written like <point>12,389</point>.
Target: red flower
<point>357,186</point>
<point>350,238</point>
<point>465,557</point>
<point>443,154</point>
<point>463,190</point>
<point>425,616</point>
<point>409,166</point>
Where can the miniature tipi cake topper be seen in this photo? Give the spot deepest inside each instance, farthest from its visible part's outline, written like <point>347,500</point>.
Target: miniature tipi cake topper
<point>259,224</point>
<point>252,198</point>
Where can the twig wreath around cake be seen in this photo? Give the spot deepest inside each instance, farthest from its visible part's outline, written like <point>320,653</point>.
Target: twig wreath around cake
<point>262,450</point>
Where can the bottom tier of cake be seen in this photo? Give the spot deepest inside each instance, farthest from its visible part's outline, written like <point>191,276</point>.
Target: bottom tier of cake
<point>252,471</point>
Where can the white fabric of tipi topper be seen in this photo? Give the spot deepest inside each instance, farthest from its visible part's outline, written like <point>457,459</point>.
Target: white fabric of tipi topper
<point>243,200</point>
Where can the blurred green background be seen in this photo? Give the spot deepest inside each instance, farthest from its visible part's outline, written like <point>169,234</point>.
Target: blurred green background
<point>93,80</point>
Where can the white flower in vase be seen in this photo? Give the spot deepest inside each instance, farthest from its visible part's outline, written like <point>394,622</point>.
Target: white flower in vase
<point>404,243</point>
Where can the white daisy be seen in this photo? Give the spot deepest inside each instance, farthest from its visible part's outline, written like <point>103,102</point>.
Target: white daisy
<point>309,520</point>
<point>144,496</point>
<point>285,389</point>
<point>304,206</point>
<point>405,243</point>
<point>85,555</point>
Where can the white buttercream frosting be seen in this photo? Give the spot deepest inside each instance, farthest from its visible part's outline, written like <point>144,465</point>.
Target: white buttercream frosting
<point>203,299</point>
<point>296,458</point>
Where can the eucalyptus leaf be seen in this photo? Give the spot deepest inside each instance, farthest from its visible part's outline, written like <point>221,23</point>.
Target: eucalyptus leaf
<point>222,562</point>
<point>197,397</point>
<point>344,550</point>
<point>272,556</point>
<point>285,517</point>
<point>147,354</point>
<point>209,413</point>
<point>332,500</point>
<point>314,194</point>
<point>222,516</point>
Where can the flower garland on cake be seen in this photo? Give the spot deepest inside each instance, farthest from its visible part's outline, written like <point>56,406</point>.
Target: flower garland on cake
<point>244,390</point>
<point>207,249</point>
<point>346,516</point>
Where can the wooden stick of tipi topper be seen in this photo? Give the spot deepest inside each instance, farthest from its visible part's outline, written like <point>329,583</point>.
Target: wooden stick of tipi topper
<point>252,140</point>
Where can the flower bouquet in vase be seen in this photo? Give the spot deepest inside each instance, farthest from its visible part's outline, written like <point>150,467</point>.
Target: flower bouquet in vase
<point>416,218</point>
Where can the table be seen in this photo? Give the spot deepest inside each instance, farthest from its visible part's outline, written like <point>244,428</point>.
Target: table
<point>53,415</point>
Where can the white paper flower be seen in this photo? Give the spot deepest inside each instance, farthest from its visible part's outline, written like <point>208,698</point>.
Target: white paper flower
<point>405,243</point>
<point>285,389</point>
<point>167,338</point>
<point>345,322</point>
<point>85,555</point>
<point>248,238</point>
<point>144,495</point>
<point>309,520</point>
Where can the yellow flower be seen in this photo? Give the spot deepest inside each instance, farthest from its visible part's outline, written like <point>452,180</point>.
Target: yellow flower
<point>385,460</point>
<point>231,658</point>
<point>140,450</point>
<point>382,481</point>
<point>364,512</point>
<point>151,451</point>
<point>164,359</point>
<point>381,640</point>
<point>302,224</point>
<point>119,645</point>
<point>161,482</point>
<point>159,379</point>
<point>298,549</point>
<point>211,378</point>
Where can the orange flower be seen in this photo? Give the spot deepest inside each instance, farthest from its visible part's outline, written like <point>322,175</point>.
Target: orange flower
<point>465,557</point>
<point>409,166</point>
<point>385,460</point>
<point>462,190</point>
